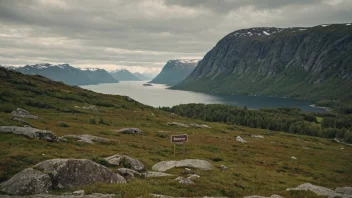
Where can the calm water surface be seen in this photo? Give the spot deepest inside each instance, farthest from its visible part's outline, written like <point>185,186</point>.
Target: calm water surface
<point>157,95</point>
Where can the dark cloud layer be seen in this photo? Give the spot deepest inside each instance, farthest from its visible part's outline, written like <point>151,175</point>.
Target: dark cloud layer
<point>142,35</point>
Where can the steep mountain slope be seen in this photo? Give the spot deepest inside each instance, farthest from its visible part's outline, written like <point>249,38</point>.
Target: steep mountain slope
<point>68,74</point>
<point>141,76</point>
<point>124,75</point>
<point>310,63</point>
<point>175,71</point>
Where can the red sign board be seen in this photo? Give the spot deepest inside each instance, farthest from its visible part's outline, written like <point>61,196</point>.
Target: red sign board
<point>179,139</point>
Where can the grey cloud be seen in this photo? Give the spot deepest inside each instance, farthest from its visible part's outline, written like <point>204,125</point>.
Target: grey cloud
<point>142,33</point>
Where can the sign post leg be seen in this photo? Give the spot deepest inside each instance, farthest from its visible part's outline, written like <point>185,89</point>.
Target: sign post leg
<point>174,151</point>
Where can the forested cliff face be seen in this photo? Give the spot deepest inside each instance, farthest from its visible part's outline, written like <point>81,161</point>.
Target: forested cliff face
<point>310,63</point>
<point>175,71</point>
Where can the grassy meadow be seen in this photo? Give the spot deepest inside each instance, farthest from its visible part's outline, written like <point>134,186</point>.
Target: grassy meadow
<point>260,167</point>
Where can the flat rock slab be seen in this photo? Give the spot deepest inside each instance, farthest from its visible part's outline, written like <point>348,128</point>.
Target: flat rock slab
<point>257,136</point>
<point>21,113</point>
<point>256,196</point>
<point>200,125</point>
<point>177,124</point>
<point>192,163</point>
<point>125,160</point>
<point>90,139</point>
<point>156,174</point>
<point>30,132</point>
<point>130,131</point>
<point>321,191</point>
<point>165,196</point>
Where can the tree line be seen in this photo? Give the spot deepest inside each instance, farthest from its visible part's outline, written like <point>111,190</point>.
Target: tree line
<point>291,120</point>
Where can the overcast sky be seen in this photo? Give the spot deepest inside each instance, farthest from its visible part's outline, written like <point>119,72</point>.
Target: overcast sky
<point>142,35</point>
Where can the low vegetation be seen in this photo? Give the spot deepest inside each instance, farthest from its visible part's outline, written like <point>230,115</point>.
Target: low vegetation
<point>261,166</point>
<point>291,120</point>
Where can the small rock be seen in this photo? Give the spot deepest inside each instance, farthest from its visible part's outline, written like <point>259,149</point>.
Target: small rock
<point>188,170</point>
<point>239,139</point>
<point>91,108</point>
<point>20,120</point>
<point>78,193</point>
<point>156,174</point>
<point>293,157</point>
<point>200,125</point>
<point>130,131</point>
<point>183,180</point>
<point>257,136</point>
<point>194,177</point>
<point>177,124</point>
<point>128,173</point>
<point>21,113</point>
<point>118,160</point>
<point>30,132</point>
<point>223,168</point>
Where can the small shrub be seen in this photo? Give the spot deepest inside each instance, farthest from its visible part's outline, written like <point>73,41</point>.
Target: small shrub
<point>92,121</point>
<point>101,161</point>
<point>161,135</point>
<point>101,121</point>
<point>217,159</point>
<point>62,124</point>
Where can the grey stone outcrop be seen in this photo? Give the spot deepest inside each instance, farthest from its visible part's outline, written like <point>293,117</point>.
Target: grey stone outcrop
<point>30,132</point>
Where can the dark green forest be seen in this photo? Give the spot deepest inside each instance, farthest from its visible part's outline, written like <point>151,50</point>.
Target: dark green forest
<point>291,120</point>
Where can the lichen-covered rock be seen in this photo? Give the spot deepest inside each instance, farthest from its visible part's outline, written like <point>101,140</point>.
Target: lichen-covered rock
<point>21,113</point>
<point>156,174</point>
<point>256,196</point>
<point>321,191</point>
<point>28,181</point>
<point>344,190</point>
<point>126,161</point>
<point>130,131</point>
<point>128,173</point>
<point>94,195</point>
<point>192,163</point>
<point>73,173</point>
<point>30,132</point>
<point>239,139</point>
<point>177,124</point>
<point>183,180</point>
<point>85,138</point>
<point>200,125</point>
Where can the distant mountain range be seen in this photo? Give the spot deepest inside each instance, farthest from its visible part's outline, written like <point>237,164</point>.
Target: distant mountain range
<point>68,74</point>
<point>124,75</point>
<point>141,76</point>
<point>175,71</point>
<point>313,63</point>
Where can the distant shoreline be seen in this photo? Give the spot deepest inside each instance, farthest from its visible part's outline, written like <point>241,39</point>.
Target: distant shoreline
<point>319,107</point>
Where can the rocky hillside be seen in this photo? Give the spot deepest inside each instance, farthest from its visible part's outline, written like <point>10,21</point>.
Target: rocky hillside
<point>68,74</point>
<point>72,142</point>
<point>124,75</point>
<point>175,71</point>
<point>311,63</point>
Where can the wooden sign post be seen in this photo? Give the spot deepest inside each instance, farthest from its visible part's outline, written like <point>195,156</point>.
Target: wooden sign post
<point>178,139</point>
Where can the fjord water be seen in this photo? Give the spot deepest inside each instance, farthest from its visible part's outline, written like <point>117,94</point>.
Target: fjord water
<point>158,95</point>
